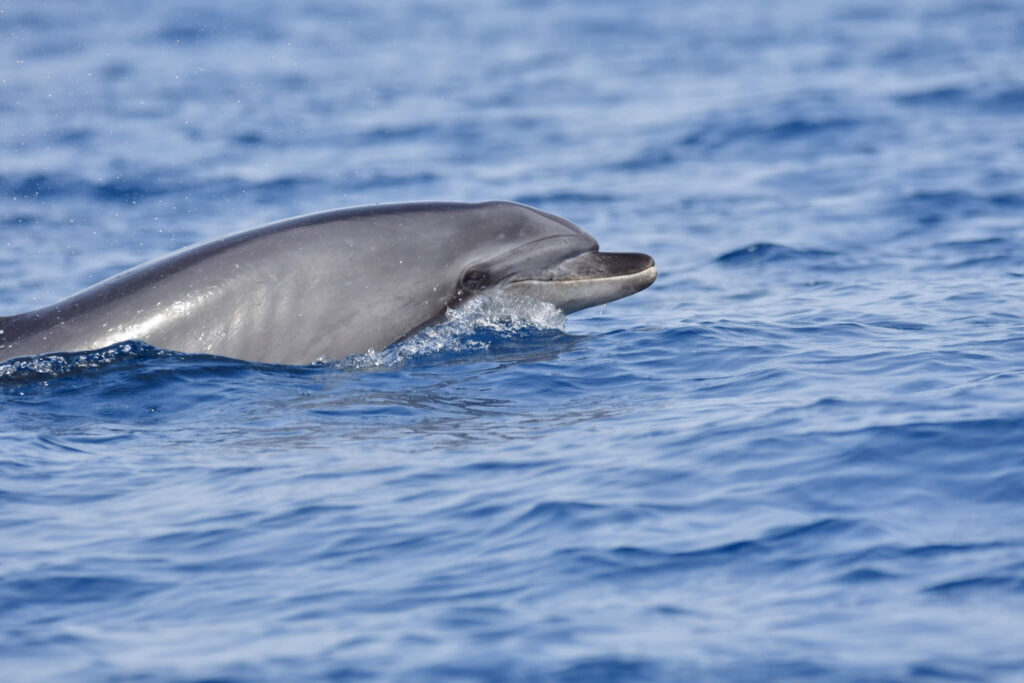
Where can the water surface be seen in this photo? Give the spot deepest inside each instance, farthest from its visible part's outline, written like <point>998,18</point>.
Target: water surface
<point>798,455</point>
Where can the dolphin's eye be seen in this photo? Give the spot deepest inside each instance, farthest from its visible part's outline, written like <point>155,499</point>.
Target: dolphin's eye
<point>475,279</point>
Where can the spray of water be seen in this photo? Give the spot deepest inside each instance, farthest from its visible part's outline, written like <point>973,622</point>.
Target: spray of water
<point>497,316</point>
<point>52,365</point>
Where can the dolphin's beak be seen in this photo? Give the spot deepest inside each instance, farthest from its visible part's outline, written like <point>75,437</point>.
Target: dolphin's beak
<point>590,279</point>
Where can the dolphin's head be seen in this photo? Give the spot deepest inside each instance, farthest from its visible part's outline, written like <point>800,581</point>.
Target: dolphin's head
<point>527,252</point>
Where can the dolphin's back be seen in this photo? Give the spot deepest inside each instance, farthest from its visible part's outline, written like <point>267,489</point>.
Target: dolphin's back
<point>326,285</point>
<point>288,292</point>
<point>143,303</point>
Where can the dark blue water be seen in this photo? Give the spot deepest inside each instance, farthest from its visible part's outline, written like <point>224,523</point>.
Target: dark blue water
<point>800,454</point>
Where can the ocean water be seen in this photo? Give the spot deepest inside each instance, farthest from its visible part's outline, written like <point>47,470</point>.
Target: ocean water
<point>799,455</point>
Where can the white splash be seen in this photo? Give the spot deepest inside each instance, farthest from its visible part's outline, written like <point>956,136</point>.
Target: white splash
<point>499,315</point>
<point>53,365</point>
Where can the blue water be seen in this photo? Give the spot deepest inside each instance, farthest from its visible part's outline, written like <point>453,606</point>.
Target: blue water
<point>800,454</point>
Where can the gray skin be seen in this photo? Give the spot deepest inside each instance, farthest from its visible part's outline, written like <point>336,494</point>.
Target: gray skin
<point>333,284</point>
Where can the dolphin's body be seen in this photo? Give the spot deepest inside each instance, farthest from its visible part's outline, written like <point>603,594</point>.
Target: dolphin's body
<point>333,284</point>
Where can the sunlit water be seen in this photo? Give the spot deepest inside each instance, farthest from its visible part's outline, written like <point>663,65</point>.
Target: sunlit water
<point>799,454</point>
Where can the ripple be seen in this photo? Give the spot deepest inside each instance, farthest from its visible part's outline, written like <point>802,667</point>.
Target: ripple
<point>980,586</point>
<point>764,252</point>
<point>938,96</point>
<point>72,589</point>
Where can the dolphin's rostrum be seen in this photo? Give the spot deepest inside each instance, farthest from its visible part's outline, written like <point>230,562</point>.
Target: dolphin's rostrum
<point>333,284</point>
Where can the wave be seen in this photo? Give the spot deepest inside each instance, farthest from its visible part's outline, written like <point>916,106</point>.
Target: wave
<point>53,365</point>
<point>766,252</point>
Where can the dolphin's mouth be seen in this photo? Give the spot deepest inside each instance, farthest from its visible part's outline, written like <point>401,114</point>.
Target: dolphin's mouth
<point>596,265</point>
<point>589,279</point>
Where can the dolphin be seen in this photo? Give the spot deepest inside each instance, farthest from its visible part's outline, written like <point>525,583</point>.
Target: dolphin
<point>332,284</point>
